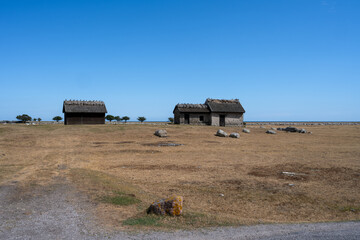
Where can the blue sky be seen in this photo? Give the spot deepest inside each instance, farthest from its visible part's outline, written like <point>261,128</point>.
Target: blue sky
<point>285,60</point>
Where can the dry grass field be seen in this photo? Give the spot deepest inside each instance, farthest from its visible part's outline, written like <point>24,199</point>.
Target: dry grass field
<point>122,169</point>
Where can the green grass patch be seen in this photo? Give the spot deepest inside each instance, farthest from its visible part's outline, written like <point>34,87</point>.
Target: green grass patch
<point>121,199</point>
<point>107,188</point>
<point>188,220</point>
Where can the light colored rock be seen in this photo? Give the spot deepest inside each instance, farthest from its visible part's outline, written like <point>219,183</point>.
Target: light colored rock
<point>234,135</point>
<point>172,206</point>
<point>161,133</point>
<point>245,130</point>
<point>221,133</point>
<point>273,128</point>
<point>270,132</point>
<point>302,131</point>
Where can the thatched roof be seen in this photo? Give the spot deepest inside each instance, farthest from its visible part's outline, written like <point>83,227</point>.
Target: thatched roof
<point>187,107</point>
<point>212,105</point>
<point>76,106</point>
<point>225,106</point>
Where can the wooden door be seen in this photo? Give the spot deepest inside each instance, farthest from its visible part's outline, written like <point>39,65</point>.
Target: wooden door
<point>222,120</point>
<point>187,119</point>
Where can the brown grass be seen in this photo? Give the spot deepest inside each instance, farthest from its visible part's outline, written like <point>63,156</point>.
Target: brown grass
<point>104,160</point>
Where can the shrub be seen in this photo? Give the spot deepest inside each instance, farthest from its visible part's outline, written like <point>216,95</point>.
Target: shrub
<point>141,119</point>
<point>24,118</point>
<point>57,118</point>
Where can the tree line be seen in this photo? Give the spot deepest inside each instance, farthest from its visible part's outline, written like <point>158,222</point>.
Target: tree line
<point>125,118</point>
<point>26,118</point>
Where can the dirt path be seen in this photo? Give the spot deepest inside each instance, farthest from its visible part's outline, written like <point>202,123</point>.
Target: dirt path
<point>58,211</point>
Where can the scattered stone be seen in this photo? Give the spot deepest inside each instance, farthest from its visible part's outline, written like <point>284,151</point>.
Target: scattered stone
<point>292,174</point>
<point>172,206</point>
<point>169,144</point>
<point>262,127</point>
<point>221,195</point>
<point>234,135</point>
<point>270,132</point>
<point>221,133</point>
<point>291,185</point>
<point>245,130</point>
<point>309,132</point>
<point>291,129</point>
<point>273,128</point>
<point>289,173</point>
<point>161,133</point>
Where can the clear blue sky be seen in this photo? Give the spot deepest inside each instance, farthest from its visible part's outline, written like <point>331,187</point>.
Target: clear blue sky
<point>284,59</point>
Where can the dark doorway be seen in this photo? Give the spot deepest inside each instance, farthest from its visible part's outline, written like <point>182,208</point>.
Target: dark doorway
<point>187,119</point>
<point>222,120</point>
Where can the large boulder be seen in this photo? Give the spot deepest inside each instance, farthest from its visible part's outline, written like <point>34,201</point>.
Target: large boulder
<point>270,132</point>
<point>234,135</point>
<point>172,206</point>
<point>291,129</point>
<point>245,130</point>
<point>161,133</point>
<point>221,133</point>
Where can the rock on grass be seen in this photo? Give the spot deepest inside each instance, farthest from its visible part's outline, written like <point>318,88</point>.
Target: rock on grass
<point>172,206</point>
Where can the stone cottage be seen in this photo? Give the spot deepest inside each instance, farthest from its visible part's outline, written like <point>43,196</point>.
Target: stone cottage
<point>215,112</point>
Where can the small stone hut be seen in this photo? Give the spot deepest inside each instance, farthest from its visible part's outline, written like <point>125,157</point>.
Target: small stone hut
<point>84,112</point>
<point>215,112</point>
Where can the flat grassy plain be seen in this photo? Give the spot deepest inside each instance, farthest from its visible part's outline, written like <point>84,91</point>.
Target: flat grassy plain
<point>224,181</point>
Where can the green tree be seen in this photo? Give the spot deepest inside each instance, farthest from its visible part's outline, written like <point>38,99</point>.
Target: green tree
<point>57,118</point>
<point>125,118</point>
<point>118,118</point>
<point>141,119</point>
<point>171,119</point>
<point>110,117</point>
<point>35,119</point>
<point>24,118</point>
<point>39,120</point>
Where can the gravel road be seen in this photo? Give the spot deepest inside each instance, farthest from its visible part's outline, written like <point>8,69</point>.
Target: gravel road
<point>53,213</point>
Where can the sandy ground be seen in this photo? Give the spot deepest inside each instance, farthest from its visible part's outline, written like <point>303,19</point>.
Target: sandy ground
<point>51,213</point>
<point>52,173</point>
